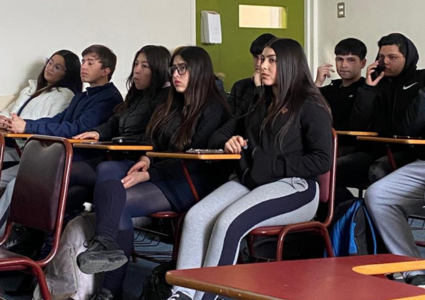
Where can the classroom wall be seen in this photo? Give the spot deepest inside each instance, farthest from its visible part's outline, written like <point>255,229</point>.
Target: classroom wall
<point>32,30</point>
<point>232,56</point>
<point>368,21</point>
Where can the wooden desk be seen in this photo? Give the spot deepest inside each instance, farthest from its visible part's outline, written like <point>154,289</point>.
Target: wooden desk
<point>357,133</point>
<point>112,147</point>
<point>318,279</point>
<point>194,156</point>
<point>18,135</point>
<point>391,140</point>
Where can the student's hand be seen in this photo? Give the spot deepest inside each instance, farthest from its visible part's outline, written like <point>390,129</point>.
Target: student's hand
<point>3,122</point>
<point>16,124</point>
<point>370,70</point>
<point>323,72</point>
<point>135,178</point>
<point>141,166</point>
<point>256,77</point>
<point>235,144</point>
<point>91,135</point>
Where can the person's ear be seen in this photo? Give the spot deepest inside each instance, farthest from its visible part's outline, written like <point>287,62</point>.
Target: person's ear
<point>106,72</point>
<point>363,62</point>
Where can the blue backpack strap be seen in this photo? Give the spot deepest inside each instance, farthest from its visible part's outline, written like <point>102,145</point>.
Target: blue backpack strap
<point>371,227</point>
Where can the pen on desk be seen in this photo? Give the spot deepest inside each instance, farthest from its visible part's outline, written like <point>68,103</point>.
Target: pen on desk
<point>246,144</point>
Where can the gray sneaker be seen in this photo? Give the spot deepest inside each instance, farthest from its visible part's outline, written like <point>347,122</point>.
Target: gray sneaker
<point>102,255</point>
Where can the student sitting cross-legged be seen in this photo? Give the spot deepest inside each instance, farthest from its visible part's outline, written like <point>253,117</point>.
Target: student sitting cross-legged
<point>195,108</point>
<point>285,141</point>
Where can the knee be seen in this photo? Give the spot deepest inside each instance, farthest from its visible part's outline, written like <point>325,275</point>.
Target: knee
<point>379,169</point>
<point>374,195</point>
<point>107,170</point>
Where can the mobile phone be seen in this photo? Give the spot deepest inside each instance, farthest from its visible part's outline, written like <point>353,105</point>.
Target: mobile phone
<point>407,137</point>
<point>122,140</point>
<point>205,151</point>
<point>379,69</point>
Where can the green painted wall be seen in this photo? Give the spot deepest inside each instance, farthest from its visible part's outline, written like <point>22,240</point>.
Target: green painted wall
<point>232,57</point>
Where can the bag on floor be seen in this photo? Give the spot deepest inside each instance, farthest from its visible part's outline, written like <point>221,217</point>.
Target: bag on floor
<point>64,278</point>
<point>354,233</point>
<point>155,286</point>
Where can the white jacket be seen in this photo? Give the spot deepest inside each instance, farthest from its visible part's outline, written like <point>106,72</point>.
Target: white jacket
<point>47,104</point>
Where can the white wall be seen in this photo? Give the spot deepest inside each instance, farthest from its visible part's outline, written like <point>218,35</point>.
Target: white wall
<point>32,30</point>
<point>367,20</point>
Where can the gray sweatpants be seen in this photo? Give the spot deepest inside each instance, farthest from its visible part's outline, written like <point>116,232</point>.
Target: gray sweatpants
<point>214,227</point>
<point>391,200</point>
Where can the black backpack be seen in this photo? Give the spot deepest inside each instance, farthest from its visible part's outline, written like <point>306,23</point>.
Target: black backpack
<point>155,287</point>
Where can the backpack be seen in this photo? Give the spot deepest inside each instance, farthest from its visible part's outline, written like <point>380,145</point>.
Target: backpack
<point>354,233</point>
<point>155,286</point>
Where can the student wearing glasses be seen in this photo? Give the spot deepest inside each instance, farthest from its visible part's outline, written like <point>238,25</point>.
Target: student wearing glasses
<point>194,109</point>
<point>86,110</point>
<point>285,139</point>
<point>50,94</point>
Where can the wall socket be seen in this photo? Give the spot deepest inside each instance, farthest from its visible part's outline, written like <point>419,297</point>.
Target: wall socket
<point>340,8</point>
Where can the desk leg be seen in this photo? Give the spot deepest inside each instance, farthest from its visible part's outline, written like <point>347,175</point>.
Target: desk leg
<point>189,180</point>
<point>391,158</point>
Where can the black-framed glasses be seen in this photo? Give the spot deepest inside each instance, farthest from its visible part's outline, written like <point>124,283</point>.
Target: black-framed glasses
<point>56,67</point>
<point>181,69</point>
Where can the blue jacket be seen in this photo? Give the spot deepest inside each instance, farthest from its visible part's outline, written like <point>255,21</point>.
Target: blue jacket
<point>86,111</point>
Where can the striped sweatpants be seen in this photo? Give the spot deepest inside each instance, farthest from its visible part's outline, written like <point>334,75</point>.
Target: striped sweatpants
<point>214,227</point>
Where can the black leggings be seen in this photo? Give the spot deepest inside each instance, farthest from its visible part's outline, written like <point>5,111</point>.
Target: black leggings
<point>115,206</point>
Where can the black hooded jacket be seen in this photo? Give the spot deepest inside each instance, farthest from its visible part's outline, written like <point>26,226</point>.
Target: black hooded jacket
<point>392,106</point>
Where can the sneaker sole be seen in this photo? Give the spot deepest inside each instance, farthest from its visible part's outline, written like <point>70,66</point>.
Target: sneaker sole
<point>109,262</point>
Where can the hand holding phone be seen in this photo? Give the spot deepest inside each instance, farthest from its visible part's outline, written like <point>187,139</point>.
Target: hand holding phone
<point>378,69</point>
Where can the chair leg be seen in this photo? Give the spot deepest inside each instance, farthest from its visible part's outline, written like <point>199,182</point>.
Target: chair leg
<point>250,240</point>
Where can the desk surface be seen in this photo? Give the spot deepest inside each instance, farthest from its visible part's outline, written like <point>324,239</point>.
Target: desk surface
<point>357,133</point>
<point>17,135</point>
<point>28,135</point>
<point>391,140</point>
<point>195,156</point>
<point>110,146</point>
<point>319,279</point>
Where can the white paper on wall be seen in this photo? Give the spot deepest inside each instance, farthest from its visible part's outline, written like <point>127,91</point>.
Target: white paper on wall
<point>210,27</point>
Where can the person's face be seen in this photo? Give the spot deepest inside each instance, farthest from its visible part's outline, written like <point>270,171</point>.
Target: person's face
<point>55,69</point>
<point>257,62</point>
<point>92,72</point>
<point>393,59</point>
<point>268,67</point>
<point>142,74</point>
<point>180,74</point>
<point>349,67</point>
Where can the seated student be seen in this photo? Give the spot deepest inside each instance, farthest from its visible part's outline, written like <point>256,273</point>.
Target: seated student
<point>380,104</point>
<point>86,110</point>
<point>246,89</point>
<point>285,139</point>
<point>195,108</point>
<point>350,59</point>
<point>47,96</point>
<point>148,86</point>
<point>392,199</point>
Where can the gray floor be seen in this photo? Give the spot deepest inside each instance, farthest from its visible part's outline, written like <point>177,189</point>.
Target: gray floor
<point>138,271</point>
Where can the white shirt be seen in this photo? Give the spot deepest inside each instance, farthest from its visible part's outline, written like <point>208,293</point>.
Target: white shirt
<point>47,104</point>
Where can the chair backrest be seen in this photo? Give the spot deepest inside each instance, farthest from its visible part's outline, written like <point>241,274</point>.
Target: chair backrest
<point>41,185</point>
<point>2,146</point>
<point>327,181</point>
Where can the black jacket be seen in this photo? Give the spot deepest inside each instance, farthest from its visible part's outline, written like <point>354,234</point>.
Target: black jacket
<point>341,99</point>
<point>168,175</point>
<point>243,91</point>
<point>305,152</point>
<point>132,122</point>
<point>383,108</point>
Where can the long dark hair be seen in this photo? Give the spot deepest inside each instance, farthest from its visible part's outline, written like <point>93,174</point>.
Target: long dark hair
<point>200,90</point>
<point>294,85</point>
<point>158,58</point>
<point>71,80</point>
